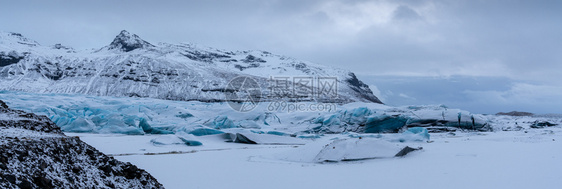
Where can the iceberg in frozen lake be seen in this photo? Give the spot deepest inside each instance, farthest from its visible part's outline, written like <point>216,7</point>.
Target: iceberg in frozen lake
<point>346,149</point>
<point>354,149</point>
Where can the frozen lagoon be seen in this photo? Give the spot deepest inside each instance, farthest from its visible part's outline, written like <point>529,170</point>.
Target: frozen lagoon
<point>506,159</point>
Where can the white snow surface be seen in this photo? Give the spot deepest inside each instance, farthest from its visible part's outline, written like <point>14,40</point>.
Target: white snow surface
<point>503,159</point>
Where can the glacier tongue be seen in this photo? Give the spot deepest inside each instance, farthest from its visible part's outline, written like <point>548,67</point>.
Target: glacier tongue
<point>137,116</point>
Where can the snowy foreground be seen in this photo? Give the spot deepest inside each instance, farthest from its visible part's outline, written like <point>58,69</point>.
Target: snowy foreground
<point>505,159</point>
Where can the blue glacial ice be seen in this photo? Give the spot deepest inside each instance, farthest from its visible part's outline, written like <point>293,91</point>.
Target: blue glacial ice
<point>222,122</point>
<point>418,132</point>
<point>150,130</point>
<point>384,123</point>
<point>137,116</point>
<point>203,131</point>
<point>278,133</point>
<point>191,142</point>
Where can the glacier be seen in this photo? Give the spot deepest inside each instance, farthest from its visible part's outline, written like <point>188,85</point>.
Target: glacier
<point>137,116</point>
<point>191,122</point>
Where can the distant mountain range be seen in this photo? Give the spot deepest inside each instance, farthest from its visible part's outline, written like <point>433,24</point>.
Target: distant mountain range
<point>131,66</point>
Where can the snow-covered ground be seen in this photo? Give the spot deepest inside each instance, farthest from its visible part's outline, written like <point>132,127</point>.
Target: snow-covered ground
<point>505,159</point>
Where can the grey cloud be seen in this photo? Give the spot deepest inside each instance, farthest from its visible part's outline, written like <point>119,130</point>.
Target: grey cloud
<point>518,40</point>
<point>403,12</point>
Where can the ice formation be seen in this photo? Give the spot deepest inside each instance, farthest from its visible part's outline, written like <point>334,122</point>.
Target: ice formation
<point>134,116</point>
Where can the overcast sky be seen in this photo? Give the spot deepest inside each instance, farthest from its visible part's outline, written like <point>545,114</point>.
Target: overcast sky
<point>512,49</point>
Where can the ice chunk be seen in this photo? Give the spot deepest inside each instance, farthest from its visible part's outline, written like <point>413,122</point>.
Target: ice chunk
<point>361,112</point>
<point>253,138</point>
<point>418,131</point>
<point>270,118</point>
<point>541,124</point>
<point>329,120</point>
<point>414,134</point>
<point>355,135</point>
<point>309,136</point>
<point>248,124</point>
<point>354,149</point>
<point>278,133</point>
<point>384,123</point>
<point>358,115</point>
<point>78,125</point>
<point>148,129</point>
<point>188,139</point>
<point>205,131</point>
<point>222,122</point>
<point>191,142</point>
<point>167,140</point>
<point>239,138</point>
<point>257,131</point>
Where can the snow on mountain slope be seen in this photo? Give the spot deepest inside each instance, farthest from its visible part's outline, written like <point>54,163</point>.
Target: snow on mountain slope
<point>130,66</point>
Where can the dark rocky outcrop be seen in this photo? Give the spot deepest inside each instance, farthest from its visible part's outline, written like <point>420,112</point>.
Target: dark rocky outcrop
<point>541,124</point>
<point>28,121</point>
<point>128,42</point>
<point>516,113</point>
<point>361,88</point>
<point>34,153</point>
<point>8,59</point>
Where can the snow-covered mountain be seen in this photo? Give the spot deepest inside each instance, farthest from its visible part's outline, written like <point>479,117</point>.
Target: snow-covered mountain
<point>131,66</point>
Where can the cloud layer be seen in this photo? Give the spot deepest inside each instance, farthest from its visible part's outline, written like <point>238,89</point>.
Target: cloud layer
<point>517,40</point>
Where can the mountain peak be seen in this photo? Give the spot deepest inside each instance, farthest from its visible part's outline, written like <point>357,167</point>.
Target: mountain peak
<point>11,37</point>
<point>126,42</point>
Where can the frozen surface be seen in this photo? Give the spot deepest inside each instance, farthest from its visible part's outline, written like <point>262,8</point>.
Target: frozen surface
<point>503,159</point>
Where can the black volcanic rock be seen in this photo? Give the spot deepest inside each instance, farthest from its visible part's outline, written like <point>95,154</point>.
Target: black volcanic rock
<point>28,121</point>
<point>9,58</point>
<point>34,153</point>
<point>516,113</point>
<point>541,124</point>
<point>361,88</point>
<point>128,42</point>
